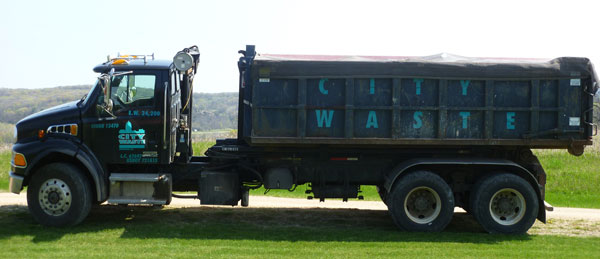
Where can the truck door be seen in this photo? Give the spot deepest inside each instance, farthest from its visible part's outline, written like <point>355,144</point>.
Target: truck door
<point>132,133</point>
<point>174,113</point>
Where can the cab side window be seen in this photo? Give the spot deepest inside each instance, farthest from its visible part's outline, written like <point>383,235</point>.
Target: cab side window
<point>129,91</point>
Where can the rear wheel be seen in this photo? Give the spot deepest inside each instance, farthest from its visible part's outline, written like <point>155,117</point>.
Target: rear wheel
<point>59,195</point>
<point>421,201</point>
<point>504,203</point>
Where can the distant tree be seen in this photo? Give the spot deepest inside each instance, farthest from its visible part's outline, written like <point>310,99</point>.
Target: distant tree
<point>6,134</point>
<point>16,104</point>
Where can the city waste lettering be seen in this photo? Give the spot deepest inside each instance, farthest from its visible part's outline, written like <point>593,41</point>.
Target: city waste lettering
<point>130,139</point>
<point>324,117</point>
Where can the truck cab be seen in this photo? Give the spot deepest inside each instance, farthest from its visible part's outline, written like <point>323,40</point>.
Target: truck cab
<point>135,119</point>
<point>130,123</point>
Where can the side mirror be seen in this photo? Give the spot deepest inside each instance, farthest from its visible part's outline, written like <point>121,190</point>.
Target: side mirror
<point>104,81</point>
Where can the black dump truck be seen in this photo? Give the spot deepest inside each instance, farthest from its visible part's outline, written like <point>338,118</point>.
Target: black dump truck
<point>432,133</point>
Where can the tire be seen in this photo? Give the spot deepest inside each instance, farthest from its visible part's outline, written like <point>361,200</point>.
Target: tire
<point>59,195</point>
<point>421,201</point>
<point>382,194</point>
<point>504,203</point>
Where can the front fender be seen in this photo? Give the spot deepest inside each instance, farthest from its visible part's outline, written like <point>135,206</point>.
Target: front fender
<point>87,158</point>
<point>37,154</point>
<point>36,151</point>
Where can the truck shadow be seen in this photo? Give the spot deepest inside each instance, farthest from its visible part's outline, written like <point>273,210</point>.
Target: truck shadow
<point>268,224</point>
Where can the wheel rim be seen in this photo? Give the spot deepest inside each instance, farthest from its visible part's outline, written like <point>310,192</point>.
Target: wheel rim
<point>55,197</point>
<point>507,206</point>
<point>422,205</point>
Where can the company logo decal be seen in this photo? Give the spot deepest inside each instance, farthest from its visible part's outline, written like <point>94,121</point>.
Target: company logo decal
<point>130,139</point>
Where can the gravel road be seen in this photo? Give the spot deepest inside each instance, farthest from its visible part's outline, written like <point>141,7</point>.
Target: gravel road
<point>272,202</point>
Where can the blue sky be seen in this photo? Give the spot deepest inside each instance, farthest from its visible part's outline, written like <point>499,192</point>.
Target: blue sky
<point>52,43</point>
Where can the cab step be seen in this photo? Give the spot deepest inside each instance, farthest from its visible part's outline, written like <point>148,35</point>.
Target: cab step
<point>131,188</point>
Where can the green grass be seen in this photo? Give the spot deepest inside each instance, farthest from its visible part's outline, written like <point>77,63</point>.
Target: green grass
<point>572,181</point>
<point>369,192</point>
<point>212,232</point>
<point>4,169</point>
<point>201,147</point>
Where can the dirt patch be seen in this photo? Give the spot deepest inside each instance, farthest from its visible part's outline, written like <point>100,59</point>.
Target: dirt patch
<point>567,227</point>
<point>272,211</point>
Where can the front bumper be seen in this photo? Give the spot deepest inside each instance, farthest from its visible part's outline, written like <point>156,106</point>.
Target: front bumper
<point>16,183</point>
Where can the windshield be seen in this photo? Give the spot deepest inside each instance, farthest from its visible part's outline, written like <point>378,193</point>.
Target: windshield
<point>133,89</point>
<point>86,97</point>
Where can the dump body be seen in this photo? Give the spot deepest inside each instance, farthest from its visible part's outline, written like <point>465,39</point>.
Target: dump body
<point>437,100</point>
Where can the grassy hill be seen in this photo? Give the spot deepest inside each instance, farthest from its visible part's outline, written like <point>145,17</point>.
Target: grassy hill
<point>15,104</point>
<point>211,111</point>
<point>215,111</point>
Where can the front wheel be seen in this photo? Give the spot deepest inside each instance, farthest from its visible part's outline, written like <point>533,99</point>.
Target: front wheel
<point>421,201</point>
<point>504,203</point>
<point>59,195</point>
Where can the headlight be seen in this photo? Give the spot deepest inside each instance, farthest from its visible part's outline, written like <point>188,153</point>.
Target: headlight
<point>15,135</point>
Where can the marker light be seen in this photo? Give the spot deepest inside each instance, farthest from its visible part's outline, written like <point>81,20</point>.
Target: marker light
<point>41,133</point>
<point>19,160</point>
<point>119,62</point>
<point>74,129</point>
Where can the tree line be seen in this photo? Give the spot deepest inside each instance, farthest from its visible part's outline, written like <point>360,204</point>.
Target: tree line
<point>210,111</point>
